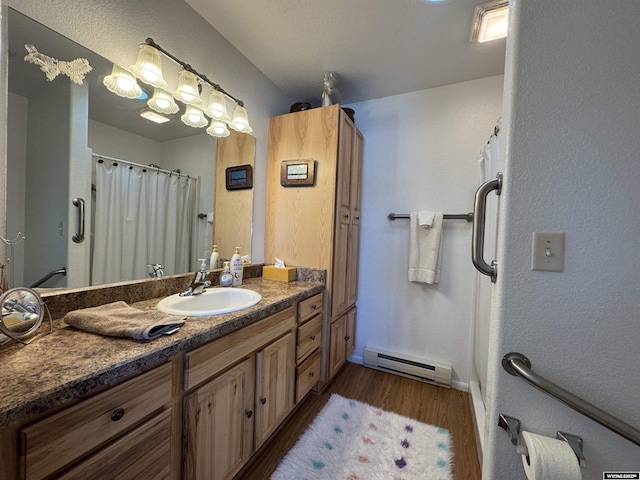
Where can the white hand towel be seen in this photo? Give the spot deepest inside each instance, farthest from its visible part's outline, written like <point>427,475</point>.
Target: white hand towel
<point>425,252</point>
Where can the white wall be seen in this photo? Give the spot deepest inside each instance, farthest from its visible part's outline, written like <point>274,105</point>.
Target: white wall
<point>421,154</point>
<point>114,30</point>
<point>573,101</point>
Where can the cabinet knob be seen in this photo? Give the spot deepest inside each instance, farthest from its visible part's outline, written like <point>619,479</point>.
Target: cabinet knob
<point>117,414</point>
<point>314,307</point>
<point>263,400</point>
<point>346,339</point>
<point>312,337</point>
<point>249,413</point>
<point>312,374</point>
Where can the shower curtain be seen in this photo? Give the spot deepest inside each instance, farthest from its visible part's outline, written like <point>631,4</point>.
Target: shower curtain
<point>141,217</point>
<point>489,163</point>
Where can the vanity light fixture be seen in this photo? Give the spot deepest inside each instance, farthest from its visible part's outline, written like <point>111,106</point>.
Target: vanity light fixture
<point>218,129</point>
<point>194,117</point>
<point>148,67</point>
<point>490,21</point>
<point>187,91</point>
<point>154,117</point>
<point>240,120</point>
<point>122,83</point>
<point>162,102</point>
<point>217,107</point>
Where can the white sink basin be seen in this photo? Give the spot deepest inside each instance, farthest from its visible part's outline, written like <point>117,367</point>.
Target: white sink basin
<point>212,302</point>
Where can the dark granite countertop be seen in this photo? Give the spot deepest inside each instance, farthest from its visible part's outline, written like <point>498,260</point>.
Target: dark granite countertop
<point>68,363</point>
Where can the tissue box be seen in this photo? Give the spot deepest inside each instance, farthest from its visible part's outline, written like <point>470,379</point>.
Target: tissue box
<point>286,274</point>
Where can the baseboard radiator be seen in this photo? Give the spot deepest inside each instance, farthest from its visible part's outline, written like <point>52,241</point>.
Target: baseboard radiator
<point>436,373</point>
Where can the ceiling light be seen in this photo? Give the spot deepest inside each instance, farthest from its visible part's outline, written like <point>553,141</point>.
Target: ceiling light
<point>162,102</point>
<point>490,21</point>
<point>122,83</point>
<point>194,117</point>
<point>240,120</point>
<point>153,116</point>
<point>187,91</point>
<point>148,67</point>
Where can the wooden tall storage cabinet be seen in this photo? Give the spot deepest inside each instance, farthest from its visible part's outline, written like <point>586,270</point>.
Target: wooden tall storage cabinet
<point>318,225</point>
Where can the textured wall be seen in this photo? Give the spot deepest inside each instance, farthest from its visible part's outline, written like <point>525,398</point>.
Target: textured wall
<point>421,154</point>
<point>572,165</point>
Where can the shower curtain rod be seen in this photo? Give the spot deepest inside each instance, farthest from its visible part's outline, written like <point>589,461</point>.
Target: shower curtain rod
<point>152,166</point>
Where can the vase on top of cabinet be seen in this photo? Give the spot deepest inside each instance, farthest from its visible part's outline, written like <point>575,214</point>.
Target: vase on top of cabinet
<point>313,213</point>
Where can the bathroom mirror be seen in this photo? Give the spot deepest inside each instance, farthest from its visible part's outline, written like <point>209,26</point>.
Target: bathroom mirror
<point>56,123</point>
<point>22,315</point>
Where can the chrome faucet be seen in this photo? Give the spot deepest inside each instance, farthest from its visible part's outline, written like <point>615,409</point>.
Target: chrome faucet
<point>158,270</point>
<point>198,284</point>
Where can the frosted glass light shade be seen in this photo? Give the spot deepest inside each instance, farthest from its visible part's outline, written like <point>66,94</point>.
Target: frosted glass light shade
<point>217,107</point>
<point>194,117</point>
<point>148,67</point>
<point>122,83</point>
<point>218,129</point>
<point>240,120</point>
<point>187,91</point>
<point>162,102</point>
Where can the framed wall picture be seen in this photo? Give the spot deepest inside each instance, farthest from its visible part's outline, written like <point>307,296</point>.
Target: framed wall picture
<point>239,177</point>
<point>298,173</point>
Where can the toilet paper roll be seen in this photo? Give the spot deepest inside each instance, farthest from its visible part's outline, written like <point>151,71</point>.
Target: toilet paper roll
<point>549,459</point>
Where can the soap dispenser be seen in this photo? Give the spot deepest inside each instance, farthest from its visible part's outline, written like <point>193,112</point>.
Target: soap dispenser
<point>226,279</point>
<point>236,268</point>
<point>213,263</point>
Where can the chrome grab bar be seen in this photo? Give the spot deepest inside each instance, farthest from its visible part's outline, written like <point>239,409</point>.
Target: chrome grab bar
<point>79,237</point>
<point>518,365</point>
<point>477,235</point>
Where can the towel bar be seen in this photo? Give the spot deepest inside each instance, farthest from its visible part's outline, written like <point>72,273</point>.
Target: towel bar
<point>447,216</point>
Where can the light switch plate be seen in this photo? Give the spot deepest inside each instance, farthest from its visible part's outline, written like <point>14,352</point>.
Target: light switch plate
<point>547,253</point>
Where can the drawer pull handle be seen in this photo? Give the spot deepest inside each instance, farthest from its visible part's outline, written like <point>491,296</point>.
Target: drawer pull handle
<point>117,414</point>
<point>263,400</point>
<point>314,307</point>
<point>346,339</point>
<point>312,374</point>
<point>312,337</point>
<point>249,413</point>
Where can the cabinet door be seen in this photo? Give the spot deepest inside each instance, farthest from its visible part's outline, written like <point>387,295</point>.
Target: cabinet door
<point>353,249</point>
<point>275,385</point>
<point>337,349</point>
<point>350,334</point>
<point>219,424</point>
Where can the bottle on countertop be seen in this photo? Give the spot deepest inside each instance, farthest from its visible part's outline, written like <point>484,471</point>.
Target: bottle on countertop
<point>236,268</point>
<point>215,256</point>
<point>226,279</point>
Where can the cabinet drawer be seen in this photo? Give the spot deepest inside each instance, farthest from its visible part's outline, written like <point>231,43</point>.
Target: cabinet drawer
<point>54,442</point>
<point>309,337</point>
<point>308,374</point>
<point>309,307</point>
<point>143,453</point>
<point>208,360</point>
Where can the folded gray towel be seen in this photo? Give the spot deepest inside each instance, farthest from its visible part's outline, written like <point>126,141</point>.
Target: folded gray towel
<point>120,320</point>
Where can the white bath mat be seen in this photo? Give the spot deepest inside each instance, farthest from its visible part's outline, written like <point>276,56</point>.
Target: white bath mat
<point>350,440</point>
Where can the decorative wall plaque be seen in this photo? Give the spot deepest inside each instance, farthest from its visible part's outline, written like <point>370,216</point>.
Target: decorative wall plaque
<point>299,173</point>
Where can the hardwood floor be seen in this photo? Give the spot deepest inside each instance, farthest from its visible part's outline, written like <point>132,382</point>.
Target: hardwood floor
<point>428,403</point>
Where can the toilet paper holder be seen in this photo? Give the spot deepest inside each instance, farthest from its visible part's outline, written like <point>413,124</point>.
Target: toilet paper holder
<point>512,426</point>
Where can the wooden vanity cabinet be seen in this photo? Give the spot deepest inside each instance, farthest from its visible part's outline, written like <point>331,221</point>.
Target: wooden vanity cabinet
<point>118,433</point>
<point>239,389</point>
<point>318,225</point>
